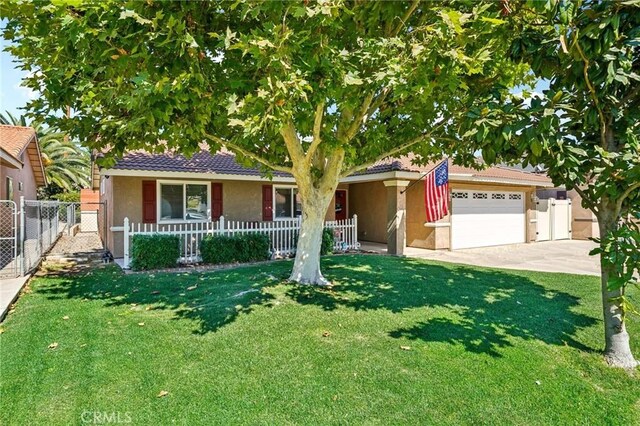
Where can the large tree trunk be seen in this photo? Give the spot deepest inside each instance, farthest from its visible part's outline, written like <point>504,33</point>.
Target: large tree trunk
<point>306,266</point>
<point>617,350</point>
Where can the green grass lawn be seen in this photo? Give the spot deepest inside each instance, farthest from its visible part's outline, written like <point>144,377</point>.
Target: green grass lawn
<point>395,341</point>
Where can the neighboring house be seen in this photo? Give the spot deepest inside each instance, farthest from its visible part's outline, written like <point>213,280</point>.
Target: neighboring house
<point>584,224</point>
<point>490,207</point>
<point>21,167</point>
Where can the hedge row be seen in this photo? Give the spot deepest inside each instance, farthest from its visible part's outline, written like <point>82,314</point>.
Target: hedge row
<point>159,251</point>
<point>218,249</point>
<point>154,251</point>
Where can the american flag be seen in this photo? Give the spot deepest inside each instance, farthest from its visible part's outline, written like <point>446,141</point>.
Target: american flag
<point>436,192</point>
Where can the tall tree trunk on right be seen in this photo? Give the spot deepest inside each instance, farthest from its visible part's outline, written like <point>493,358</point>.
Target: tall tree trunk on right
<point>617,350</point>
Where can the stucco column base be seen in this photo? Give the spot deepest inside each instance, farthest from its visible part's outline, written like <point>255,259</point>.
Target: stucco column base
<point>396,216</point>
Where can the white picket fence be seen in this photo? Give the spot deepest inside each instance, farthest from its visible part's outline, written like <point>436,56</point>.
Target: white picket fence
<point>282,234</point>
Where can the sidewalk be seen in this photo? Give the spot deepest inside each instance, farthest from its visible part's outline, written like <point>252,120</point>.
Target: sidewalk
<point>9,291</point>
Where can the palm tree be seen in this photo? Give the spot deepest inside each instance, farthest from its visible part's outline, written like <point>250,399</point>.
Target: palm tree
<point>65,163</point>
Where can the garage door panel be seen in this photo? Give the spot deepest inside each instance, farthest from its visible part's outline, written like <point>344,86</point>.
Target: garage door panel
<point>482,219</point>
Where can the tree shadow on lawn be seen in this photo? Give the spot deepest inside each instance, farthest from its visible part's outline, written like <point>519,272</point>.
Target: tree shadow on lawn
<point>479,308</point>
<point>212,300</point>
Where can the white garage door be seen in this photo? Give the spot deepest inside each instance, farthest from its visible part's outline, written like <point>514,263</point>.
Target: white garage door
<point>483,218</point>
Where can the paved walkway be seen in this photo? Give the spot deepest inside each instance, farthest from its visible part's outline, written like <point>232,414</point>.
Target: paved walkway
<point>569,256</point>
<point>82,242</point>
<point>9,291</point>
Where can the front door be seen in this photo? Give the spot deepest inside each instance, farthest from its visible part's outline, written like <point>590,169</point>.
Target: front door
<point>341,204</point>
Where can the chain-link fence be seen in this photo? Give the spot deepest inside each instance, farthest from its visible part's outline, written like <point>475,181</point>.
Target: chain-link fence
<point>30,230</point>
<point>42,226</point>
<point>8,239</point>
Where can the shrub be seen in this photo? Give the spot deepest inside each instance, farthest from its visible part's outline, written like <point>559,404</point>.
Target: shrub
<point>327,242</point>
<point>154,251</point>
<point>219,249</point>
<point>69,197</point>
<point>253,247</point>
<point>326,246</point>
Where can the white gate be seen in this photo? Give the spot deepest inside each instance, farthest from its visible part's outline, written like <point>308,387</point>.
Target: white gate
<point>553,220</point>
<point>561,229</point>
<point>543,221</point>
<point>8,239</point>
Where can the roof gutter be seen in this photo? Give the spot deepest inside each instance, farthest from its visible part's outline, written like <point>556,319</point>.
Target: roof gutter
<point>10,159</point>
<point>489,179</point>
<point>453,177</point>
<point>191,175</point>
<point>372,177</point>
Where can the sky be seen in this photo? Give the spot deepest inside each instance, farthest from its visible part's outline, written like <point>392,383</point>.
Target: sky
<point>12,95</point>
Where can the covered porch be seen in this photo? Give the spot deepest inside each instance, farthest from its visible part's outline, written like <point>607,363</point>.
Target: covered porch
<point>483,212</point>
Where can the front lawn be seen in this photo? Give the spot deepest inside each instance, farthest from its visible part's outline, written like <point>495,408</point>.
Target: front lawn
<point>395,341</point>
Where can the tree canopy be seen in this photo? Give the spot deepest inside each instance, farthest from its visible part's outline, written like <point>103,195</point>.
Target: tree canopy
<point>585,128</point>
<point>369,77</point>
<point>317,89</point>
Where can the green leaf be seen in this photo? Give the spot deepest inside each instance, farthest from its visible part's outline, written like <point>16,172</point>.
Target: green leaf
<point>493,20</point>
<point>352,78</point>
<point>536,147</point>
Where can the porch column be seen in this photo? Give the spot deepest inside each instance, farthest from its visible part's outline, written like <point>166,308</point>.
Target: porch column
<point>396,216</point>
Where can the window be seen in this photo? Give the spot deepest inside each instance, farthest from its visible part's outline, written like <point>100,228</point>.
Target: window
<point>462,195</point>
<point>183,201</point>
<point>286,202</point>
<point>515,196</point>
<point>479,195</point>
<point>20,186</point>
<point>497,196</point>
<point>9,189</point>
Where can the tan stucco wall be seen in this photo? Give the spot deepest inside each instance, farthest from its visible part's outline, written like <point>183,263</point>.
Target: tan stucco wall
<point>584,223</point>
<point>369,201</point>
<point>24,175</point>
<point>241,200</point>
<point>419,235</point>
<point>105,193</point>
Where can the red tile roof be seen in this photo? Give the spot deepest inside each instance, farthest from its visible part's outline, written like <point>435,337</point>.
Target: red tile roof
<point>224,162</point>
<point>405,164</point>
<point>201,162</point>
<point>14,139</point>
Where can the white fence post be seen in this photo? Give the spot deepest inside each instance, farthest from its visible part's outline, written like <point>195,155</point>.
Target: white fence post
<point>355,232</point>
<point>221,222</point>
<point>126,243</point>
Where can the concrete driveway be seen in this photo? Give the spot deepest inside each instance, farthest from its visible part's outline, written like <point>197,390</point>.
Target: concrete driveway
<point>570,256</point>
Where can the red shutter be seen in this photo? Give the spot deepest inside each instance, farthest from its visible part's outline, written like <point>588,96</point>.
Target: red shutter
<point>216,201</point>
<point>149,201</point>
<point>267,203</point>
